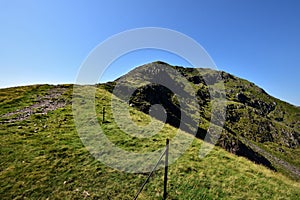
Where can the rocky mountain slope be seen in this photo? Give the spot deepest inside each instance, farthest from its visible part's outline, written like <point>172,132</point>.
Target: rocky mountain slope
<point>258,126</point>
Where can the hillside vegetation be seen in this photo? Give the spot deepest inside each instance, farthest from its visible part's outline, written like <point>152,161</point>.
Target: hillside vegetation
<point>42,156</point>
<point>257,126</point>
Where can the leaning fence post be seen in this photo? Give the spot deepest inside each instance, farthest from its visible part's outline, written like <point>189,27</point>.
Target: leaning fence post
<point>166,169</point>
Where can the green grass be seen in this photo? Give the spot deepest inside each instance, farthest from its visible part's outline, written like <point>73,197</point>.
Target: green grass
<point>43,158</point>
<point>20,97</point>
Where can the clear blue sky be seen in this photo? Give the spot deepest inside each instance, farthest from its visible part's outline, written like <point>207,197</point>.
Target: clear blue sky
<point>46,41</point>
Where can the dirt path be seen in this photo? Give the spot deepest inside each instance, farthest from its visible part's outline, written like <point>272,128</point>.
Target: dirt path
<point>49,102</point>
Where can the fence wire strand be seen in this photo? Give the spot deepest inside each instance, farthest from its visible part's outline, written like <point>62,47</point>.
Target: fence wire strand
<point>150,174</point>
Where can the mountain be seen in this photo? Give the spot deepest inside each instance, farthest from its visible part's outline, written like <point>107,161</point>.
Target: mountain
<point>42,156</point>
<point>258,126</point>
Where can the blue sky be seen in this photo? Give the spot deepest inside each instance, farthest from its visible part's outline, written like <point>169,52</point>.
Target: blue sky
<point>47,41</point>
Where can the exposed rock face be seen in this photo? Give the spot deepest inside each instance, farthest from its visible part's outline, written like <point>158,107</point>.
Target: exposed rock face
<point>153,94</point>
<point>237,147</point>
<point>242,98</point>
<point>196,79</point>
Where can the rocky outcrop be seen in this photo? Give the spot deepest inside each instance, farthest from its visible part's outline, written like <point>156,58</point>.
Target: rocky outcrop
<point>236,146</point>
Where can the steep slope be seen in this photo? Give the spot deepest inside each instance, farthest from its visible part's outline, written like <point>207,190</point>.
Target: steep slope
<point>42,157</point>
<point>258,126</point>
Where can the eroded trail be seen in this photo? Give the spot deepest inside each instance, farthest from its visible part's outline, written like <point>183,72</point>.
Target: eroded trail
<point>43,105</point>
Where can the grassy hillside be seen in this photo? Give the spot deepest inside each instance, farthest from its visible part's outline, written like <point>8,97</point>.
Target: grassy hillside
<point>42,157</point>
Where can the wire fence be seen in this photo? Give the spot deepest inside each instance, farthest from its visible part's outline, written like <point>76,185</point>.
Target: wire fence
<point>166,154</point>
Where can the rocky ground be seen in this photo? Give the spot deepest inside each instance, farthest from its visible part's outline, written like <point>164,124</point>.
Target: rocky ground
<point>43,105</point>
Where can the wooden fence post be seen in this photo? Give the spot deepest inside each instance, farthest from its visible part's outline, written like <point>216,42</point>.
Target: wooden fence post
<point>166,154</point>
<point>103,115</point>
<point>166,169</point>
